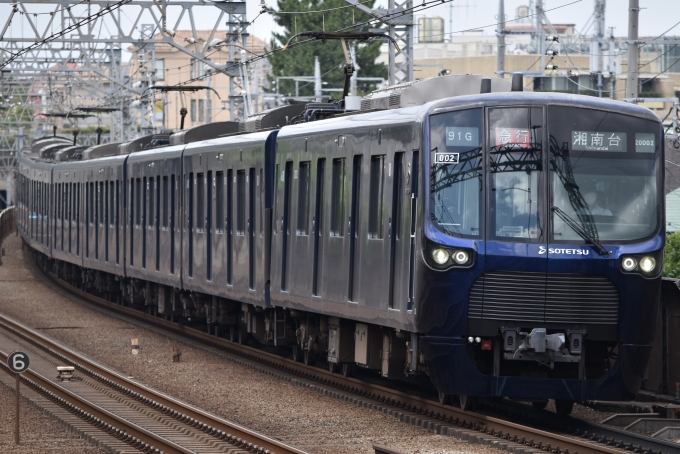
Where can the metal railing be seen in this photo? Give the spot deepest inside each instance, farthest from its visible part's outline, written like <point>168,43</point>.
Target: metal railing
<point>7,225</point>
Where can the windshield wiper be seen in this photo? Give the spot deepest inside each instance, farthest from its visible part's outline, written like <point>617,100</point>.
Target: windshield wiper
<point>578,229</point>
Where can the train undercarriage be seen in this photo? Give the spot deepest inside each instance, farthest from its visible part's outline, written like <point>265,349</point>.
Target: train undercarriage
<point>341,345</point>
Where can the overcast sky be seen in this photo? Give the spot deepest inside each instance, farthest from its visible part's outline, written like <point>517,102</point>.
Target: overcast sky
<point>656,16</point>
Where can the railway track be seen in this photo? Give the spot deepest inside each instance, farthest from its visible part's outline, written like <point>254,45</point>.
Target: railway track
<point>540,432</point>
<point>134,414</point>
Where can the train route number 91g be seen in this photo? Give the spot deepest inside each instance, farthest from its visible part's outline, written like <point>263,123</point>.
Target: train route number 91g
<point>446,158</point>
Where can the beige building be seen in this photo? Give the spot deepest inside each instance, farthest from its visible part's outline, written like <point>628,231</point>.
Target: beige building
<point>172,66</point>
<point>474,52</point>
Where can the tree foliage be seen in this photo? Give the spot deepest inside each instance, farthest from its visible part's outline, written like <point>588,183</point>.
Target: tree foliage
<point>299,60</point>
<point>671,260</point>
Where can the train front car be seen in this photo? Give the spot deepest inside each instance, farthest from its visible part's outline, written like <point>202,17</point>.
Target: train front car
<point>543,240</point>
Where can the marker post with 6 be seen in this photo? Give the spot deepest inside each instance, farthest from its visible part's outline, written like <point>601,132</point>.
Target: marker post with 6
<point>17,362</point>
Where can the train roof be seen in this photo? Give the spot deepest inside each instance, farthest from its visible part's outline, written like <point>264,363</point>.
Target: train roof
<point>542,99</point>
<point>167,152</point>
<point>206,131</point>
<point>229,142</point>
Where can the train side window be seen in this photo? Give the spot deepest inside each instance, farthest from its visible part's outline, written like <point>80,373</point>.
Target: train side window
<point>172,224</point>
<point>112,202</point>
<point>165,202</point>
<point>102,202</point>
<point>143,195</point>
<point>303,199</point>
<point>219,201</point>
<point>260,183</point>
<point>190,185</point>
<point>241,202</point>
<point>277,177</point>
<point>91,211</point>
<point>337,197</point>
<point>200,201</point>
<point>229,224</point>
<point>375,203</point>
<point>138,201</point>
<point>151,194</point>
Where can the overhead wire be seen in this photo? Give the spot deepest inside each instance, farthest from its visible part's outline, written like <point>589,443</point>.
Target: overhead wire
<point>107,9</point>
<point>266,54</point>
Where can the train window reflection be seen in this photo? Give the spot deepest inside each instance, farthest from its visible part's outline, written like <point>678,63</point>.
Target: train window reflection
<point>515,164</point>
<point>375,203</point>
<point>456,172</point>
<point>613,196</point>
<point>337,197</point>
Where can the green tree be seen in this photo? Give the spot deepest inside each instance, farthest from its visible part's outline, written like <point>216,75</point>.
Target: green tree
<point>671,252</point>
<point>299,60</point>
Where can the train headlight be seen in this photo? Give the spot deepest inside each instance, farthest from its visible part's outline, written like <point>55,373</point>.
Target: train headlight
<point>647,264</point>
<point>461,257</point>
<point>629,263</point>
<point>440,256</point>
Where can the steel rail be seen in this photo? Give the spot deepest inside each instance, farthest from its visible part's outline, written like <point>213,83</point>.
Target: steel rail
<point>483,423</point>
<point>134,434</point>
<point>195,416</point>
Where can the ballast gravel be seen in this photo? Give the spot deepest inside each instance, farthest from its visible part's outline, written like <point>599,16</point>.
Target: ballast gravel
<point>38,432</point>
<point>298,416</point>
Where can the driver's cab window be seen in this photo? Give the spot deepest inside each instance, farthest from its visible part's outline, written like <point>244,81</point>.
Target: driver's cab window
<point>515,165</point>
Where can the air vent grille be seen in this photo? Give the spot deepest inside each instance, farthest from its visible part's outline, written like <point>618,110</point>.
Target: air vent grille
<point>541,297</point>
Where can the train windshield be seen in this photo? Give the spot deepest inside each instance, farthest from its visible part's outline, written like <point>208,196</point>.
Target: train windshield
<point>603,174</point>
<point>456,172</point>
<point>515,166</point>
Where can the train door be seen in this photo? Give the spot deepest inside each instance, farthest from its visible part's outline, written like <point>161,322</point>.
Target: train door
<point>91,241</point>
<point>136,218</point>
<point>101,216</point>
<point>516,237</point>
<point>151,218</point>
<point>336,259</point>
<point>112,218</point>
<point>286,225</point>
<point>209,222</point>
<point>376,235</point>
<point>240,263</point>
<point>353,229</point>
<point>220,225</point>
<point>319,180</point>
<point>301,236</point>
<point>201,225</point>
<point>164,245</point>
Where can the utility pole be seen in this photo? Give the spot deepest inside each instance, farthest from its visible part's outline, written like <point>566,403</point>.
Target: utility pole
<point>399,20</point>
<point>633,49</point>
<point>317,79</point>
<point>613,70</point>
<point>596,54</point>
<point>500,33</point>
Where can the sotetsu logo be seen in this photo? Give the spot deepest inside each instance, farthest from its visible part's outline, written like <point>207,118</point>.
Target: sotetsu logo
<point>542,250</point>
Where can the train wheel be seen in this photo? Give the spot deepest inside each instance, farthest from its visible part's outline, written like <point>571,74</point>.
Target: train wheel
<point>347,369</point>
<point>241,337</point>
<point>308,357</point>
<point>564,407</point>
<point>467,403</point>
<point>540,405</point>
<point>445,399</point>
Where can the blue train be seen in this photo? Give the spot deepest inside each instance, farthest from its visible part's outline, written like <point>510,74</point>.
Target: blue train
<point>501,242</point>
